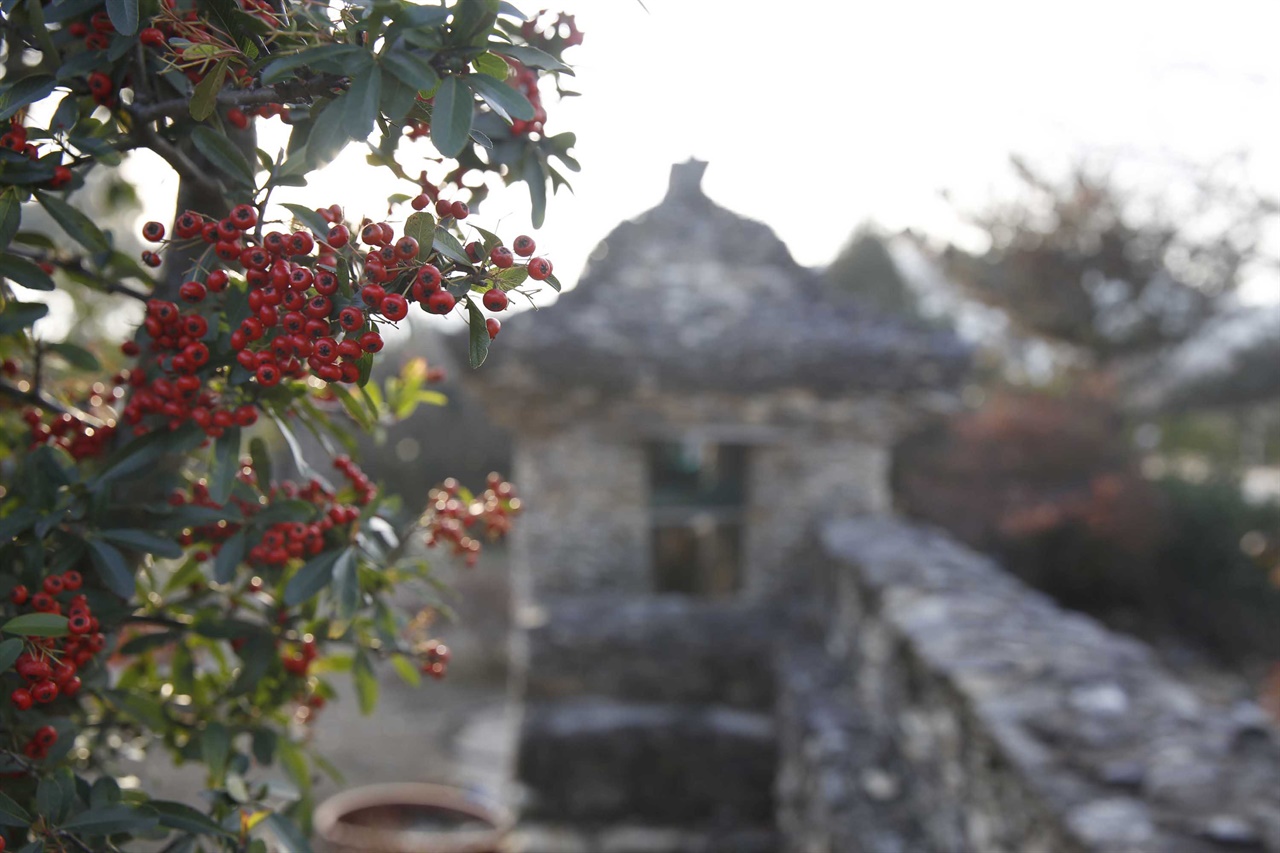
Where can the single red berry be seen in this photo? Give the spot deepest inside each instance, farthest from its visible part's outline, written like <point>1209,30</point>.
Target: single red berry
<point>524,246</point>
<point>19,595</point>
<point>152,37</point>
<point>444,208</point>
<point>394,307</point>
<point>351,318</point>
<point>420,202</point>
<point>192,291</point>
<point>501,257</point>
<point>539,269</point>
<point>492,326</point>
<point>338,236</point>
<point>406,249</point>
<point>325,282</point>
<point>72,580</point>
<point>44,692</point>
<point>151,259</point>
<point>301,243</point>
<point>79,623</point>
<point>268,374</point>
<point>441,302</point>
<point>45,736</point>
<point>372,295</point>
<point>243,216</point>
<point>216,281</point>
<point>459,210</point>
<point>53,584</point>
<point>22,699</point>
<point>371,341</point>
<point>474,251</point>
<point>495,300</point>
<point>153,232</point>
<point>237,119</point>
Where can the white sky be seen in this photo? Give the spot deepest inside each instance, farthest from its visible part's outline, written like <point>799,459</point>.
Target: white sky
<point>818,115</point>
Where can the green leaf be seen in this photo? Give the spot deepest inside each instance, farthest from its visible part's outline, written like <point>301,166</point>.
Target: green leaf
<point>10,216</point>
<point>184,818</point>
<point>204,100</point>
<point>491,64</point>
<point>322,56</point>
<point>25,91</point>
<point>309,218</point>
<point>20,315</point>
<point>104,792</point>
<point>531,57</point>
<point>229,557</point>
<point>24,272</point>
<point>366,682</point>
<point>261,461</point>
<point>536,178</point>
<point>451,116</point>
<point>37,625</point>
<point>49,798</point>
<point>124,15</point>
<point>473,19</point>
<point>295,764</point>
<point>9,651</point>
<point>511,277</point>
<point>226,464</point>
<point>256,657</point>
<point>113,569</point>
<point>447,244</point>
<point>346,584</point>
<point>12,814</point>
<point>330,132</point>
<point>286,833</point>
<point>362,103</point>
<point>421,227</point>
<point>140,540</point>
<point>223,154</point>
<point>411,70</point>
<point>406,669</point>
<point>78,226</point>
<point>75,355</point>
<point>286,510</point>
<point>311,578</point>
<point>506,101</point>
<point>109,820</point>
<point>215,748</point>
<point>478,348</point>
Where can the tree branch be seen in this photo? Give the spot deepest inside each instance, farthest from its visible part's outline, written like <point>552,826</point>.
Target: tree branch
<point>40,400</point>
<point>281,93</point>
<point>76,264</point>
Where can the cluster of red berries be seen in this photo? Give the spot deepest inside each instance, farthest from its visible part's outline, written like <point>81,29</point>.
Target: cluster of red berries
<point>68,432</point>
<point>286,540</point>
<point>49,666</point>
<point>525,80</point>
<point>298,662</point>
<point>453,514</point>
<point>15,139</point>
<point>435,658</point>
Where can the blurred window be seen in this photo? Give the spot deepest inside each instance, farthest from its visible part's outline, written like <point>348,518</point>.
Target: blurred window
<point>697,501</point>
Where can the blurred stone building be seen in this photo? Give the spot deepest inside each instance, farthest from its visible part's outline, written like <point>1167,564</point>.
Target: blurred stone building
<point>725,642</point>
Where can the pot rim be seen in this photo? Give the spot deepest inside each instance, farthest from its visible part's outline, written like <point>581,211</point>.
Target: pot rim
<point>330,827</point>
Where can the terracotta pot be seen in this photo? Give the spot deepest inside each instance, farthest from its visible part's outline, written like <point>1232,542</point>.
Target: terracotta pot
<point>409,817</point>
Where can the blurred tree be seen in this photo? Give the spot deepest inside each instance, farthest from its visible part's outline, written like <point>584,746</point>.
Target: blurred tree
<point>864,267</point>
<point>1110,273</point>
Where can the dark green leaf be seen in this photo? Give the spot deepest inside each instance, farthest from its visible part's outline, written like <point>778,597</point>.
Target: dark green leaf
<point>204,100</point>
<point>346,584</point>
<point>506,101</point>
<point>311,578</point>
<point>66,115</point>
<point>421,227</point>
<point>321,57</point>
<point>256,656</point>
<point>451,116</point>
<point>9,651</point>
<point>447,244</point>
<point>554,282</point>
<point>411,70</point>
<point>472,19</point>
<point>147,543</point>
<point>330,132</point>
<point>37,625</point>
<point>229,557</point>
<point>144,451</point>
<point>112,568</point>
<point>124,15</point>
<point>362,102</point>
<point>286,510</point>
<point>536,178</point>
<point>78,226</point>
<point>49,798</point>
<point>215,748</point>
<point>184,818</point>
<point>261,461</point>
<point>25,91</point>
<point>226,464</point>
<point>309,218</point>
<point>10,216</point>
<point>478,348</point>
<point>366,682</point>
<point>109,820</point>
<point>511,277</point>
<point>531,57</point>
<point>24,272</point>
<point>223,154</point>
<point>105,792</point>
<point>264,746</point>
<point>20,315</point>
<point>12,814</point>
<point>75,355</point>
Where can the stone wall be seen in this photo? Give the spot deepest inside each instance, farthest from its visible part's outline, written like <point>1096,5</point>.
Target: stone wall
<point>942,706</point>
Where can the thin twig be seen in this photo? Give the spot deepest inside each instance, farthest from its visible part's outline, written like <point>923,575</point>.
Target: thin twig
<point>43,401</point>
<point>280,93</point>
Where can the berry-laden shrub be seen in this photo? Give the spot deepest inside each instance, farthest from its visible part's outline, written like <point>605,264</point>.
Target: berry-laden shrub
<point>159,582</point>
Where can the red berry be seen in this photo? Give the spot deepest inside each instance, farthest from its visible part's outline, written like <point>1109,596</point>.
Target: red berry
<point>153,232</point>
<point>394,307</point>
<point>406,249</point>
<point>44,692</point>
<point>351,318</point>
<point>420,202</point>
<point>539,269</point>
<point>237,119</point>
<point>444,208</point>
<point>495,300</point>
<point>53,584</point>
<point>243,216</point>
<point>492,326</point>
<point>268,375</point>
<point>19,595</point>
<point>45,736</point>
<point>501,257</point>
<point>459,210</point>
<point>524,246</point>
<point>152,37</point>
<point>72,580</point>
<point>22,698</point>
<point>371,341</point>
<point>338,237</point>
<point>216,281</point>
<point>441,302</point>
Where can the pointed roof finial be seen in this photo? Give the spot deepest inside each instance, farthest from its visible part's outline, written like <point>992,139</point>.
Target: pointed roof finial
<point>686,179</point>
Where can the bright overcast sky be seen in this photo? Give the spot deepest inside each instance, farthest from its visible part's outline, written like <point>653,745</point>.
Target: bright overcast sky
<point>820,114</point>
